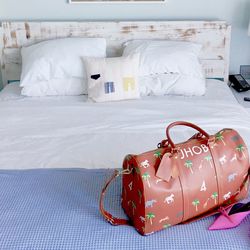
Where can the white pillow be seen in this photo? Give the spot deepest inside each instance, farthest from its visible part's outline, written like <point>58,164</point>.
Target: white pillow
<point>171,84</point>
<point>168,67</point>
<point>159,56</point>
<point>60,59</point>
<point>55,87</point>
<point>112,79</point>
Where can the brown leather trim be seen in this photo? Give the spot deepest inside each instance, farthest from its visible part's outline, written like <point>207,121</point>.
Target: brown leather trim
<point>112,220</point>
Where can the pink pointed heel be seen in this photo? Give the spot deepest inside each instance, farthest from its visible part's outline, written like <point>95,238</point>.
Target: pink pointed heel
<point>231,217</point>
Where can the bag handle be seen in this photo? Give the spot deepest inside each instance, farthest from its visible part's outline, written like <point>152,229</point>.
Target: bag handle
<point>187,124</point>
<point>109,217</point>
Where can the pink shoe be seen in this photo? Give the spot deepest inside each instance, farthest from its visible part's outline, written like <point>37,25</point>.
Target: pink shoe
<point>231,217</point>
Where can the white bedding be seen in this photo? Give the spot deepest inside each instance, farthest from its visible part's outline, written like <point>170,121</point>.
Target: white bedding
<point>66,132</point>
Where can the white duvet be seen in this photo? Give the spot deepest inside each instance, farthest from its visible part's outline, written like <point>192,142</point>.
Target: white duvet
<point>67,132</point>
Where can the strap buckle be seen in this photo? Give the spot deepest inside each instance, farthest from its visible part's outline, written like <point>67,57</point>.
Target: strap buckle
<point>174,152</point>
<point>122,172</point>
<point>163,144</point>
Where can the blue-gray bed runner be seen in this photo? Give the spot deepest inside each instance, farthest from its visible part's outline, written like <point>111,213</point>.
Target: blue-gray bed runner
<point>58,209</point>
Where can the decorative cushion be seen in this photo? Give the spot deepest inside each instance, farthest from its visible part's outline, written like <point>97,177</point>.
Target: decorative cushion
<point>112,79</point>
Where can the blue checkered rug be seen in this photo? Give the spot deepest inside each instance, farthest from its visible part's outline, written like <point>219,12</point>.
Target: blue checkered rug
<point>58,209</point>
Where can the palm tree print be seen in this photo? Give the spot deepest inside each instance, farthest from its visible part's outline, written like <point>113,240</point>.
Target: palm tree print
<point>166,225</point>
<point>214,196</point>
<point>189,164</point>
<point>240,148</point>
<point>220,137</point>
<point>150,217</point>
<point>209,158</point>
<point>133,206</point>
<point>158,155</point>
<point>146,177</point>
<point>195,203</point>
<point>140,195</point>
<point>229,202</point>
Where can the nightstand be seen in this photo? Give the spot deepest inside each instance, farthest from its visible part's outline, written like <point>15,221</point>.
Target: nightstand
<point>240,98</point>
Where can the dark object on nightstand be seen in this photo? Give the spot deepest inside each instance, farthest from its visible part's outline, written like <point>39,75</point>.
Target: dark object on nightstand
<point>245,71</point>
<point>239,83</point>
<point>247,99</point>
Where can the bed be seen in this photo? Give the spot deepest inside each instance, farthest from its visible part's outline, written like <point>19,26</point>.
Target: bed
<point>69,133</point>
<point>56,152</point>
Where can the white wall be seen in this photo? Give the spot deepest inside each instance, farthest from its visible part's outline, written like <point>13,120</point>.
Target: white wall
<point>235,12</point>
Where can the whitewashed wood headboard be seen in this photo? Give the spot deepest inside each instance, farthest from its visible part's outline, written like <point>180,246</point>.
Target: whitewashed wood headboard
<point>213,35</point>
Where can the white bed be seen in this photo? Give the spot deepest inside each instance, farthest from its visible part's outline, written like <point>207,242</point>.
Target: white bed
<point>68,132</point>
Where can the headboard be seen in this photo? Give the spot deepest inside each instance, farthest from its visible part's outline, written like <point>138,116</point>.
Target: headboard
<point>213,35</point>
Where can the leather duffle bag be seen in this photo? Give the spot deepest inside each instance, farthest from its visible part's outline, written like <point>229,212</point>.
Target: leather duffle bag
<point>183,182</point>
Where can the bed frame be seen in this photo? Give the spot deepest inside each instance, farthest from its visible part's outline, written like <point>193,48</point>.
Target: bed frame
<point>213,35</point>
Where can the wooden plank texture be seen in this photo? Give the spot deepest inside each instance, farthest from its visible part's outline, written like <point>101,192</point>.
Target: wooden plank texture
<point>214,36</point>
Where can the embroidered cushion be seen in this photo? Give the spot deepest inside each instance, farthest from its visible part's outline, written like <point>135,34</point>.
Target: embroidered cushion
<point>112,79</point>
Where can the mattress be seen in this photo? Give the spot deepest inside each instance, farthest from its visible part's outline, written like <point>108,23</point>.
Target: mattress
<point>58,209</point>
<point>70,132</point>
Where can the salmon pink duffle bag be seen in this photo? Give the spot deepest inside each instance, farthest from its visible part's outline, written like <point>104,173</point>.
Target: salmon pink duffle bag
<point>182,182</point>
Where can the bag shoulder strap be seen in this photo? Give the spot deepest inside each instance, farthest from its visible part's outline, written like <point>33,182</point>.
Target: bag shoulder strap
<point>109,217</point>
<point>118,221</point>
